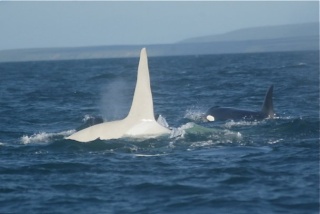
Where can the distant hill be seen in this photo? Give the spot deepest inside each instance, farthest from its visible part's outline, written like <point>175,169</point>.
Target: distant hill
<point>262,33</point>
<point>298,37</point>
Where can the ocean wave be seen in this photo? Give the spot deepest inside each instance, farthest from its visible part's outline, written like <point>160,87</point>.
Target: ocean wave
<point>196,136</point>
<point>294,65</point>
<point>201,144</point>
<point>181,131</point>
<point>233,123</point>
<point>43,137</point>
<point>275,141</point>
<point>232,134</point>
<point>149,155</point>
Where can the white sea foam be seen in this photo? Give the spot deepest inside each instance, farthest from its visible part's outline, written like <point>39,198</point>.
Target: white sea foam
<point>87,117</point>
<point>224,137</point>
<point>275,141</point>
<point>237,135</point>
<point>201,144</point>
<point>43,137</point>
<point>230,136</point>
<point>302,64</point>
<point>180,131</point>
<point>232,123</point>
<point>162,121</point>
<point>145,155</point>
<point>194,114</point>
<point>171,145</point>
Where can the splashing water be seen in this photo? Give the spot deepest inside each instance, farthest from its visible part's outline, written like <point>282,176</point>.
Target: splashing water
<point>43,137</point>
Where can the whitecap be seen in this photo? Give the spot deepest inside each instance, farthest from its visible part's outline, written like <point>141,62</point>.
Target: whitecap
<point>275,141</point>
<point>201,144</point>
<point>149,155</point>
<point>302,64</point>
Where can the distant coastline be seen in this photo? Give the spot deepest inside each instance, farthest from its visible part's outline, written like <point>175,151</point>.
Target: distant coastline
<point>299,37</point>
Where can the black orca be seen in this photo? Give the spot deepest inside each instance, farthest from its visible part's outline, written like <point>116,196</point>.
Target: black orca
<point>225,113</point>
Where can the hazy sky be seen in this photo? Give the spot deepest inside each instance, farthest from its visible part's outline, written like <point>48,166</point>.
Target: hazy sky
<point>72,24</point>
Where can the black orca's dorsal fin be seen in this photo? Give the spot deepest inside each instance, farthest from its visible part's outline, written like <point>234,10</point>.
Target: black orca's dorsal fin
<point>267,107</point>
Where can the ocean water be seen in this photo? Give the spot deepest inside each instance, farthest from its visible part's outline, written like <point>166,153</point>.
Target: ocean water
<point>268,166</point>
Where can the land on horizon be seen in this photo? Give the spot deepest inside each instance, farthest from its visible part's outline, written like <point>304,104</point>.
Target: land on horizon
<point>293,37</point>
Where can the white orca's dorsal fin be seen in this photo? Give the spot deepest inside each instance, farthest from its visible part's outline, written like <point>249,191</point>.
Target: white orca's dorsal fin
<point>140,121</point>
<point>142,104</point>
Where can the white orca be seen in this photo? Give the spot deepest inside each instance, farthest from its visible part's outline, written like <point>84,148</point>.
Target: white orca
<point>140,122</point>
<point>226,113</point>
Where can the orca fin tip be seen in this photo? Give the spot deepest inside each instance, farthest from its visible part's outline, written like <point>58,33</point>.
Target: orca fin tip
<point>143,51</point>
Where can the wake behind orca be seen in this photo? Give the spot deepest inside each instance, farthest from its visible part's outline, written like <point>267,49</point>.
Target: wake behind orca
<point>226,113</point>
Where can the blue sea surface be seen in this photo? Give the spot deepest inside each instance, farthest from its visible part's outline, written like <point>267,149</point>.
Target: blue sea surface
<point>268,166</point>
